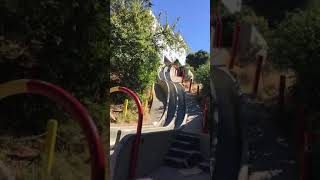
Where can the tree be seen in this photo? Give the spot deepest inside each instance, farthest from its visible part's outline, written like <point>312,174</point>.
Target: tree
<point>275,10</point>
<point>62,42</point>
<point>177,63</point>
<point>296,46</point>
<point>135,47</point>
<point>197,59</point>
<point>202,76</point>
<point>248,15</point>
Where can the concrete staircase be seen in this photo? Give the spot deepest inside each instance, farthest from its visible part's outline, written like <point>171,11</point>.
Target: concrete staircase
<point>184,153</point>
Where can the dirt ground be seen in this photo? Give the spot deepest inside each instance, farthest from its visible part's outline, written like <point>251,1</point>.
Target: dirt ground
<point>132,115</point>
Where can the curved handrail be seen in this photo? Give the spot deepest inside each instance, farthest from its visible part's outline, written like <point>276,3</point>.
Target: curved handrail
<point>135,147</point>
<point>73,106</point>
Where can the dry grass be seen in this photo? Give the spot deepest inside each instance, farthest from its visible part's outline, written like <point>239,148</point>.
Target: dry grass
<point>132,115</point>
<point>70,158</point>
<point>268,84</point>
<point>194,87</point>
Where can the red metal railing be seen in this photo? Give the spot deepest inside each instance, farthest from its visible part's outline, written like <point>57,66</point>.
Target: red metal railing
<point>235,45</point>
<point>282,88</point>
<point>257,75</point>
<point>205,115</point>
<point>136,145</point>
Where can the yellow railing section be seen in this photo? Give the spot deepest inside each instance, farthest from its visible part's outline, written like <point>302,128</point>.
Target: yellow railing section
<point>49,148</point>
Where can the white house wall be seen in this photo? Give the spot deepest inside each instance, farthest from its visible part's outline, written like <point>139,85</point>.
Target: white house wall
<point>169,52</point>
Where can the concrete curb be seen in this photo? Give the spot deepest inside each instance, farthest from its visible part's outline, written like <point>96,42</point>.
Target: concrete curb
<point>165,85</point>
<point>186,107</point>
<point>184,97</point>
<point>215,117</point>
<point>244,168</point>
<point>172,123</point>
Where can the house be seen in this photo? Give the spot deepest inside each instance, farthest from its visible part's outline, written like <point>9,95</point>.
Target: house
<point>169,54</point>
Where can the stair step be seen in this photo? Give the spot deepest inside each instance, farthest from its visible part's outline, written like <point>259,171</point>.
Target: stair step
<point>187,137</point>
<point>205,166</point>
<point>175,162</point>
<point>191,157</point>
<point>183,153</point>
<point>188,133</point>
<point>185,145</point>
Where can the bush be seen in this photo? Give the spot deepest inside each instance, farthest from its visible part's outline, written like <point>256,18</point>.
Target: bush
<point>62,42</point>
<point>135,45</point>
<point>296,46</point>
<point>197,59</point>
<point>202,76</point>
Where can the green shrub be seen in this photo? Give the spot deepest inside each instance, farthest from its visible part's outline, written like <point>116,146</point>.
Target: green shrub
<point>135,49</point>
<point>202,76</point>
<point>62,42</point>
<point>197,59</point>
<point>296,47</point>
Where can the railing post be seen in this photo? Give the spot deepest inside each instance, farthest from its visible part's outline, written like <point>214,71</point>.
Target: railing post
<point>190,86</point>
<point>282,87</point>
<point>198,90</point>
<point>218,32</point>
<point>145,108</point>
<point>205,116</point>
<point>257,76</point>
<point>235,45</point>
<point>306,158</point>
<point>125,110</point>
<point>219,24</point>
<point>118,137</point>
<point>183,75</point>
<point>49,147</point>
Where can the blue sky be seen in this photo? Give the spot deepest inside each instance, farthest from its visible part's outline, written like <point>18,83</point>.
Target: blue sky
<point>194,23</point>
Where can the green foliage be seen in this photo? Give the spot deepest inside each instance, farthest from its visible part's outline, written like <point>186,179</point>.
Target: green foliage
<point>247,15</point>
<point>296,46</point>
<point>99,112</point>
<point>62,42</point>
<point>177,62</point>
<point>275,10</point>
<point>187,69</point>
<point>202,76</point>
<point>261,24</point>
<point>197,59</point>
<point>135,44</point>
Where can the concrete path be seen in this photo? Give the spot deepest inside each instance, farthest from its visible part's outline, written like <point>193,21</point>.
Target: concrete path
<point>173,77</point>
<point>181,111</point>
<point>180,96</point>
<point>270,152</point>
<point>195,115</point>
<point>194,112</point>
